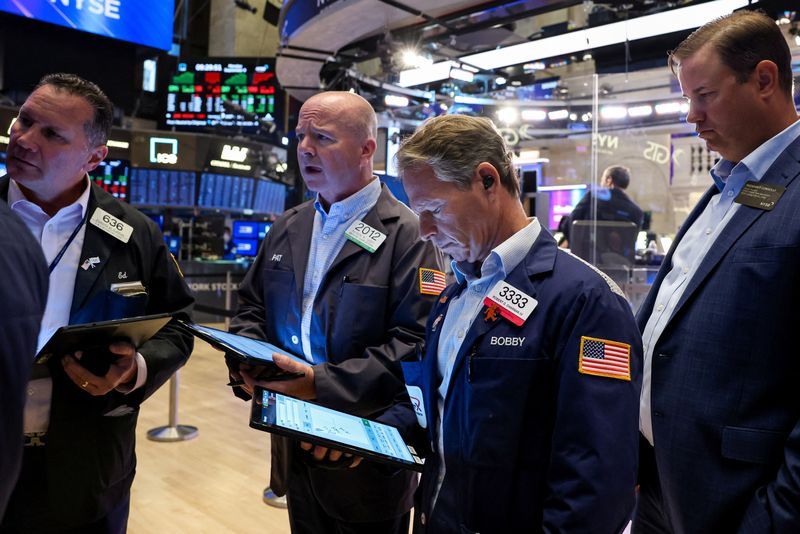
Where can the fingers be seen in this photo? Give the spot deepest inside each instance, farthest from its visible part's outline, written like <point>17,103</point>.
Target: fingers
<point>81,377</point>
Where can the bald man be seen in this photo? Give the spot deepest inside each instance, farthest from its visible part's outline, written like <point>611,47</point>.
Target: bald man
<point>353,311</point>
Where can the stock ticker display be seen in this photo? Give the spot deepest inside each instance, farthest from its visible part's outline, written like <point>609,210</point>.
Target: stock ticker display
<point>237,94</point>
<point>112,176</point>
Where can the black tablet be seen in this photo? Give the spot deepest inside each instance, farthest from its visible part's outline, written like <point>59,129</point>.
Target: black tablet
<point>98,336</point>
<point>243,348</point>
<point>306,421</point>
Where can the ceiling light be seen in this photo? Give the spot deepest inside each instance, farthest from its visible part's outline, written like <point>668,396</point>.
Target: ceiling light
<point>461,74</point>
<point>531,52</point>
<point>586,117</point>
<point>640,111</point>
<point>573,116</point>
<point>613,112</point>
<point>285,141</point>
<point>411,58</point>
<point>395,101</point>
<point>500,80</point>
<point>587,56</point>
<point>558,115</point>
<point>508,115</point>
<point>533,115</point>
<point>668,108</point>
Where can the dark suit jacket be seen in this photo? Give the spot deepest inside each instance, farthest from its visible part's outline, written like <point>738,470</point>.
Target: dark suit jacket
<point>368,315</point>
<point>617,207</point>
<point>23,295</point>
<point>725,373</point>
<point>90,441</point>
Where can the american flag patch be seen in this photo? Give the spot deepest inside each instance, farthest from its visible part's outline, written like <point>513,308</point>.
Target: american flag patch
<point>431,281</point>
<point>602,357</point>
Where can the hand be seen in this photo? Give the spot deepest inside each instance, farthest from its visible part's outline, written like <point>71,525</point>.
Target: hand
<point>301,388</point>
<point>319,453</point>
<point>121,371</point>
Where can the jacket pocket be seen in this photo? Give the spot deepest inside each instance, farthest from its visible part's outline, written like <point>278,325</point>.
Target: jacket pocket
<point>764,254</point>
<point>359,320</point>
<point>752,445</point>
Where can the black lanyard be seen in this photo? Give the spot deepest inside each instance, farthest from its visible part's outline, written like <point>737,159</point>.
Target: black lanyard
<point>69,242</point>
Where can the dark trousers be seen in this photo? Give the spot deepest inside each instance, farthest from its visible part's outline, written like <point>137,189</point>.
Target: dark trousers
<point>650,516</point>
<point>307,516</point>
<point>29,510</point>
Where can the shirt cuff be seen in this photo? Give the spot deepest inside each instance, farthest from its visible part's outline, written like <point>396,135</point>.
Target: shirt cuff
<point>141,376</point>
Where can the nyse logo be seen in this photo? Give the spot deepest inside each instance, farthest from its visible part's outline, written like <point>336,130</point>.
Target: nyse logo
<point>234,153</point>
<point>107,8</point>
<point>163,150</point>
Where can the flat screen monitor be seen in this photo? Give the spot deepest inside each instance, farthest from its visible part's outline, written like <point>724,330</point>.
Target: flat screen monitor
<point>146,22</point>
<point>270,197</point>
<point>604,243</point>
<point>263,229</point>
<point>563,200</point>
<point>173,244</point>
<point>112,175</point>
<point>161,187</point>
<point>225,192</point>
<point>246,247</point>
<point>236,93</point>
<point>245,229</point>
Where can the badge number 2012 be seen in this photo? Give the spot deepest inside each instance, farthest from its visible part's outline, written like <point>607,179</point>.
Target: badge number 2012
<point>365,236</point>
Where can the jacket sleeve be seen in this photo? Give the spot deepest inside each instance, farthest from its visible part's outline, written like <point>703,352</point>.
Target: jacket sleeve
<point>775,507</point>
<point>368,384</point>
<point>592,469</point>
<point>168,350</point>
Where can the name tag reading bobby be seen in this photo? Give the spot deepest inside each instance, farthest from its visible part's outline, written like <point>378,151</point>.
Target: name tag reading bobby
<point>365,236</point>
<point>111,225</point>
<point>758,195</point>
<point>513,304</point>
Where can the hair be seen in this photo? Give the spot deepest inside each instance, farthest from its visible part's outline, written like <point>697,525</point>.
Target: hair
<point>742,39</point>
<point>620,176</point>
<point>98,129</point>
<point>454,145</point>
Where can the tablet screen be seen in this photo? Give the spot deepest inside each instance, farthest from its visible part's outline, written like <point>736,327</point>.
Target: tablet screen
<point>253,348</point>
<point>333,426</point>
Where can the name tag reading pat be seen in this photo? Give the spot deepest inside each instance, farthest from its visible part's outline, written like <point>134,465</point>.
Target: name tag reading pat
<point>514,305</point>
<point>365,236</point>
<point>111,225</point>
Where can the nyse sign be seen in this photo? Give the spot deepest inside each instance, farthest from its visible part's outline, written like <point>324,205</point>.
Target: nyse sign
<point>106,8</point>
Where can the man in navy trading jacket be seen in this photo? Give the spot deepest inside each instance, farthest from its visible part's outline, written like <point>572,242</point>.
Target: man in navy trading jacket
<point>720,407</point>
<point>352,308</point>
<point>529,383</point>
<point>106,261</point>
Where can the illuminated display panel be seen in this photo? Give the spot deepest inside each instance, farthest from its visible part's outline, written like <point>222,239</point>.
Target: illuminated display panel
<point>196,92</point>
<point>112,176</point>
<point>270,197</point>
<point>160,187</point>
<point>224,192</point>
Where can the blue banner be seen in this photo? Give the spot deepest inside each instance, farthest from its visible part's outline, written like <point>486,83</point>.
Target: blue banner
<point>146,22</point>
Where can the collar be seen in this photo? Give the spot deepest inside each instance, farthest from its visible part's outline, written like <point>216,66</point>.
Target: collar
<point>346,208</point>
<point>503,258</point>
<point>17,199</point>
<point>759,160</point>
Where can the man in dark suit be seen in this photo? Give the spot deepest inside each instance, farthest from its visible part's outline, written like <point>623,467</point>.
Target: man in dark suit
<point>720,406</point>
<point>23,294</point>
<point>352,308</point>
<point>613,204</point>
<point>107,261</point>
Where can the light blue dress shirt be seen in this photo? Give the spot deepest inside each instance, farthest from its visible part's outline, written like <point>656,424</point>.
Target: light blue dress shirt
<point>464,308</point>
<point>729,178</point>
<point>327,240</point>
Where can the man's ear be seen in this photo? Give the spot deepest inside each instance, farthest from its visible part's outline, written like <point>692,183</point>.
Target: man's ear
<point>96,156</point>
<point>368,148</point>
<point>487,176</point>
<point>766,75</point>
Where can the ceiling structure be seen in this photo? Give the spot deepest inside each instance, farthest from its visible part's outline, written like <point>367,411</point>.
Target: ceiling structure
<point>360,45</point>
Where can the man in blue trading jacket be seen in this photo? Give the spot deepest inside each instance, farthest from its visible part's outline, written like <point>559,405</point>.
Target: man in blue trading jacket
<point>530,379</point>
<point>352,308</point>
<point>720,407</point>
<point>23,295</point>
<point>612,202</point>
<point>107,261</point>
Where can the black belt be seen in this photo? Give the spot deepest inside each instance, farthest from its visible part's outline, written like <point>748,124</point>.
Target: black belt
<point>35,439</point>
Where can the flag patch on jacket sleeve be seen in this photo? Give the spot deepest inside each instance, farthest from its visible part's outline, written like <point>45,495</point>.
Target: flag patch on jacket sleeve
<point>431,281</point>
<point>602,357</point>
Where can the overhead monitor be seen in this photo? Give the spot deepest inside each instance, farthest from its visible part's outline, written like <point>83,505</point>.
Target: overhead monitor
<point>246,247</point>
<point>232,156</point>
<point>160,187</point>
<point>165,150</point>
<point>145,22</point>
<point>245,229</point>
<point>226,192</point>
<point>112,175</point>
<point>239,95</point>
